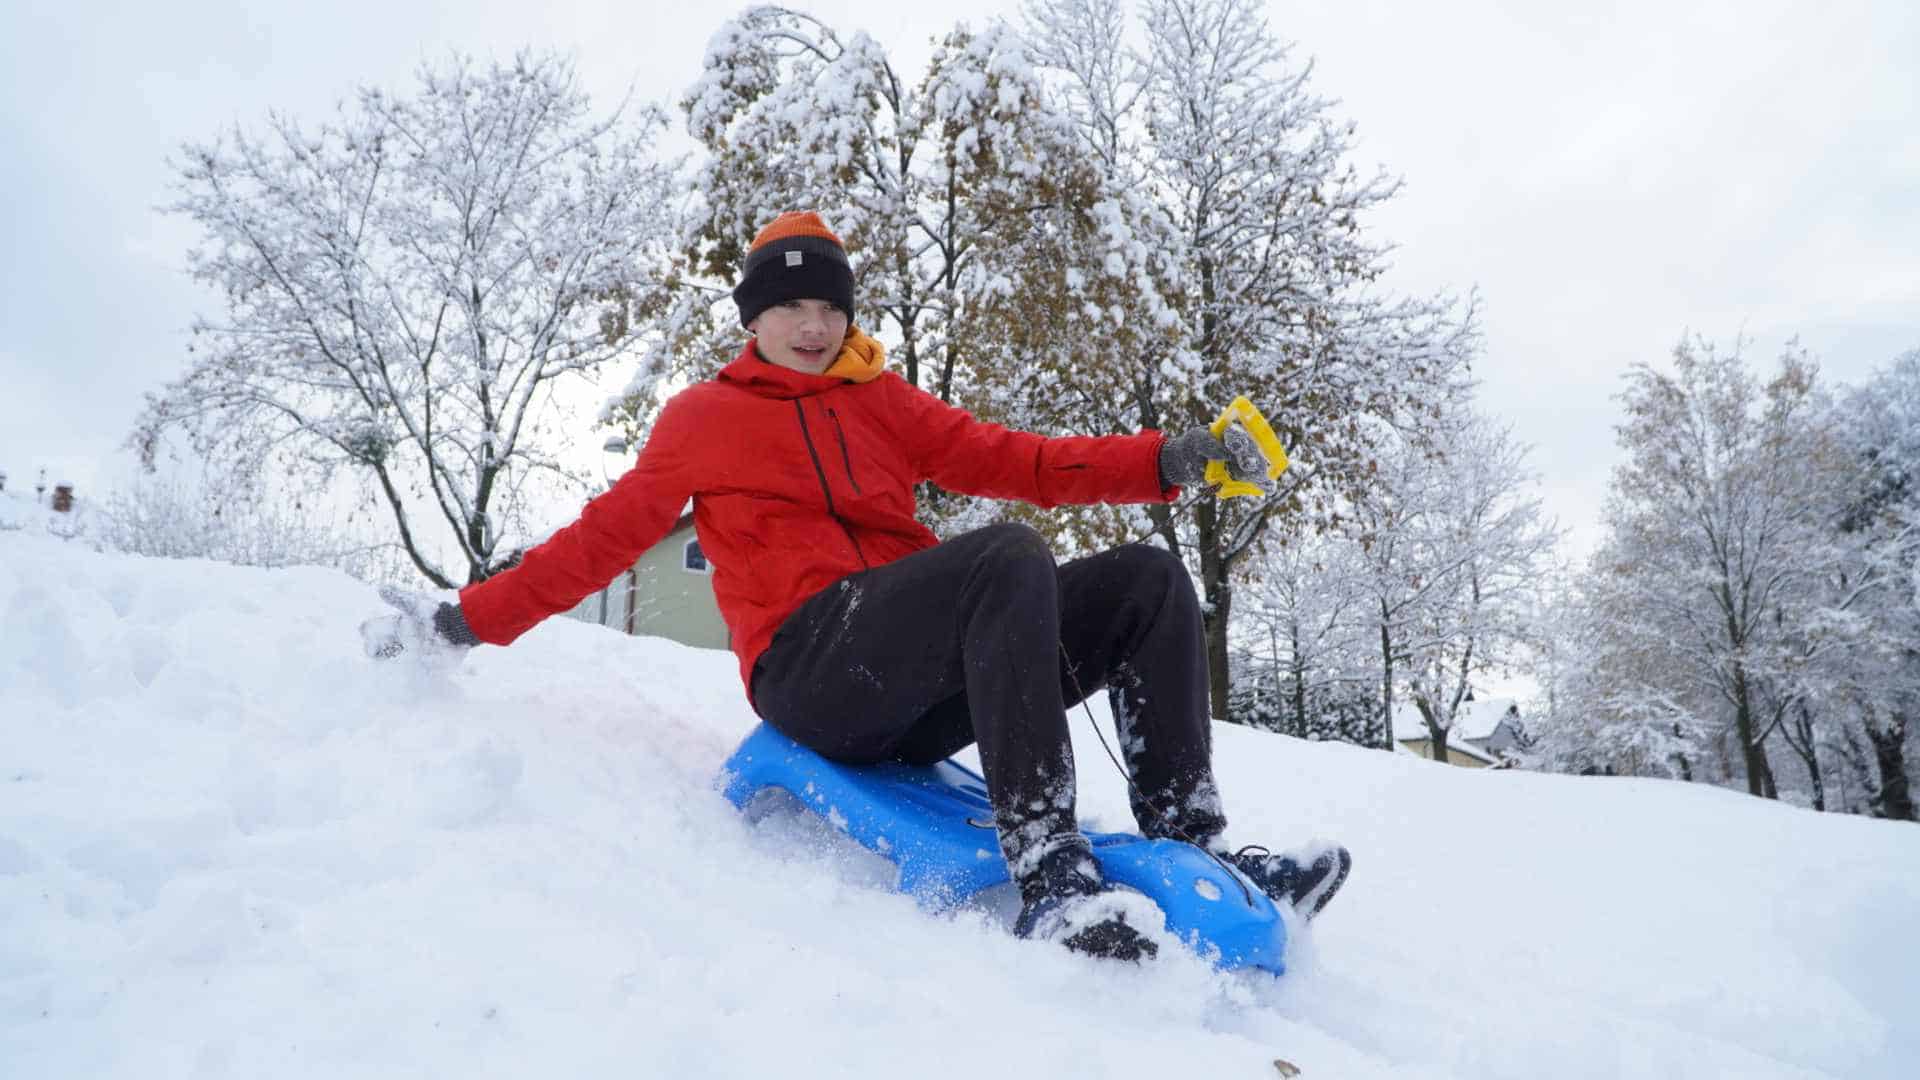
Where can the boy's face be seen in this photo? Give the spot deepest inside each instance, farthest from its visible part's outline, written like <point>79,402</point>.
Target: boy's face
<point>804,335</point>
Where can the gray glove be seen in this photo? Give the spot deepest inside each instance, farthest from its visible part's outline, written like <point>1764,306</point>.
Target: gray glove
<point>426,626</point>
<point>1183,460</point>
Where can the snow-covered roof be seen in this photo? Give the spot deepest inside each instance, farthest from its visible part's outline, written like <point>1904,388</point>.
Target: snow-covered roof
<point>1477,720</point>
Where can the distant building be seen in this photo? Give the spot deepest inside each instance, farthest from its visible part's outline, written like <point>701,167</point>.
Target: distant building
<point>1484,735</point>
<point>667,593</point>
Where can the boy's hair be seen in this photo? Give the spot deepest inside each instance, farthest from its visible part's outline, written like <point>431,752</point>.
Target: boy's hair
<point>795,257</point>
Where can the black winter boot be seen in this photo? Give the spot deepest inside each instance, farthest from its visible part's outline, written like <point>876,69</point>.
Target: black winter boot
<point>1305,882</point>
<point>1065,900</point>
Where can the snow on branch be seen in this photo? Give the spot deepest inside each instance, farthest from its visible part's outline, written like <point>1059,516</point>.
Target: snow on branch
<point>403,284</point>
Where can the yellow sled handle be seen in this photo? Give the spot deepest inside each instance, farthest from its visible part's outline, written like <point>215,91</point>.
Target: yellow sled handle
<point>1263,437</point>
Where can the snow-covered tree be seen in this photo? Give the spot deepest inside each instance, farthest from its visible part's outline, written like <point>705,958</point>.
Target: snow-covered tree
<point>1777,516</point>
<point>1657,722</point>
<point>973,218</point>
<point>1720,537</point>
<point>1452,547</point>
<point>1827,640</point>
<point>1234,213</point>
<point>1482,552</point>
<point>959,193</point>
<point>407,284</point>
<point>1071,230</point>
<point>1879,425</point>
<point>1302,661</point>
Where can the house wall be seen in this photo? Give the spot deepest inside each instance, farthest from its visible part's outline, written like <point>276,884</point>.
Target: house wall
<point>1502,741</point>
<point>1424,747</point>
<point>673,602</point>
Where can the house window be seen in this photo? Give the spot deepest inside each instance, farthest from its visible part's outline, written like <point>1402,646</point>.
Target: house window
<point>693,558</point>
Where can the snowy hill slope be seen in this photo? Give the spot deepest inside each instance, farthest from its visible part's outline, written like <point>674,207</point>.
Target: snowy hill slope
<point>231,846</point>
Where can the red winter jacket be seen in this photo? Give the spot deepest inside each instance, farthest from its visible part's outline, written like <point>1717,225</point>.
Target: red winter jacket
<point>798,480</point>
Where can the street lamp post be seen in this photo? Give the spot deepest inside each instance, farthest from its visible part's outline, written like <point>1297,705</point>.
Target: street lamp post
<point>614,450</point>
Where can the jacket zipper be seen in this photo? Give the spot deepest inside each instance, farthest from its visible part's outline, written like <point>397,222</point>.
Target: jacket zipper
<point>821,472</point>
<point>845,457</point>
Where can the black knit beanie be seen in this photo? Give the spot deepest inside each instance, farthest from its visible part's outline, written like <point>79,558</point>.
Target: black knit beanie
<point>795,257</point>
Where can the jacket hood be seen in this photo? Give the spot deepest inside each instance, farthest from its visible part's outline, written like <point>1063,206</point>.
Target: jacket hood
<point>861,359</point>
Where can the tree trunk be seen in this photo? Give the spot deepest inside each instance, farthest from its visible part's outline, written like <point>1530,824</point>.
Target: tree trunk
<point>1759,775</point>
<point>1299,692</point>
<point>1218,594</point>
<point>1386,683</point>
<point>1217,660</point>
<point>1810,756</point>
<point>1437,736</point>
<point>419,560</point>
<point>480,533</point>
<point>1895,799</point>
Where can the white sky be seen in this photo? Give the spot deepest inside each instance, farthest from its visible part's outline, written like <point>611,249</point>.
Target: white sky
<point>1609,176</point>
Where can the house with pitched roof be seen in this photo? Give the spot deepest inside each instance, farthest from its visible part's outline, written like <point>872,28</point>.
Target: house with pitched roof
<point>1484,735</point>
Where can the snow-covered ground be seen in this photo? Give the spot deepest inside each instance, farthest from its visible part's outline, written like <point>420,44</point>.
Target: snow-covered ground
<point>230,846</point>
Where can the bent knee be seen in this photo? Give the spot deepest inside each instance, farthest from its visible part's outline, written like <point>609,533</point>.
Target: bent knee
<point>1013,541</point>
<point>1016,555</point>
<point>1147,563</point>
<point>1147,558</point>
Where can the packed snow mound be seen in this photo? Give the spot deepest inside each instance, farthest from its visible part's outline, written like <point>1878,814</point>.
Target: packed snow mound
<point>230,845</point>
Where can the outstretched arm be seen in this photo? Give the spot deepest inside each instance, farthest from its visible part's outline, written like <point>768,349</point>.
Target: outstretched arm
<point>611,532</point>
<point>609,535</point>
<point>963,454</point>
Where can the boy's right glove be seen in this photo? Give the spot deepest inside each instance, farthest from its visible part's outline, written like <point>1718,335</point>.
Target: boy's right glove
<point>1183,460</point>
<point>426,626</point>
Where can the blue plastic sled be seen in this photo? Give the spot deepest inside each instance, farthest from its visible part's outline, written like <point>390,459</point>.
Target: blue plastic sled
<point>935,824</point>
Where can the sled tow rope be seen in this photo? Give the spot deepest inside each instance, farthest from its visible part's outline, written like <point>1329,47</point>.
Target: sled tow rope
<point>1165,817</point>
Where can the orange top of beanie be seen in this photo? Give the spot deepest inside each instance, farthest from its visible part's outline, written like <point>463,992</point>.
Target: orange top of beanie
<point>794,223</point>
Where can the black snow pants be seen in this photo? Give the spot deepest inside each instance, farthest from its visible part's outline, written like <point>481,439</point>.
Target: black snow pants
<point>984,639</point>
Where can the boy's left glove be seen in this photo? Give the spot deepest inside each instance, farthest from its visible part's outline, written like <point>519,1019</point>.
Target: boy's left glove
<point>1183,460</point>
<point>428,627</point>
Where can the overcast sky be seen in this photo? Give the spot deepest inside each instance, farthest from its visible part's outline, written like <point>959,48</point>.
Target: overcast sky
<point>1608,176</point>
